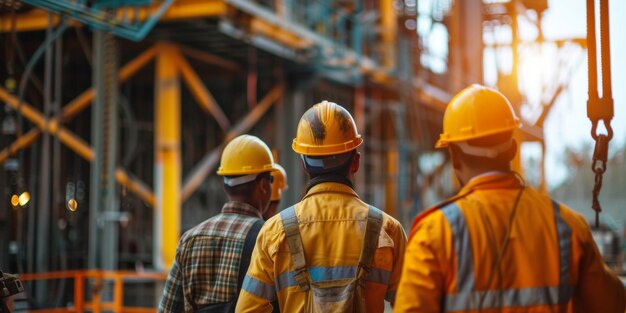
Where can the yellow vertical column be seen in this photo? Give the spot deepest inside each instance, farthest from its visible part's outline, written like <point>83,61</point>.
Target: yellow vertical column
<point>167,155</point>
<point>389,28</point>
<point>391,184</point>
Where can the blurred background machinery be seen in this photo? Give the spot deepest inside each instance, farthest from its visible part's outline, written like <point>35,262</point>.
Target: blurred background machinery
<point>115,113</point>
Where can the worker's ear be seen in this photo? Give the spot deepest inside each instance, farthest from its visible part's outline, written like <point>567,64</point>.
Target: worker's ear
<point>510,154</point>
<point>355,163</point>
<point>302,164</point>
<point>454,157</point>
<point>266,186</point>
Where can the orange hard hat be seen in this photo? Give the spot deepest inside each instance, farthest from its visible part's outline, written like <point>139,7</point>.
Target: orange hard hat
<point>476,112</point>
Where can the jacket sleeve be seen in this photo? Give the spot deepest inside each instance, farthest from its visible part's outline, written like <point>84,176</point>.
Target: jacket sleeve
<point>598,289</point>
<point>422,281</point>
<point>258,291</point>
<point>399,239</point>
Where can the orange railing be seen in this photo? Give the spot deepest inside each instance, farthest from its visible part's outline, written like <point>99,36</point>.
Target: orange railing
<point>98,277</point>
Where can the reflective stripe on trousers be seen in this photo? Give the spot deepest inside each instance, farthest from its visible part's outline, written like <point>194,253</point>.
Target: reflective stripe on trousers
<point>467,298</point>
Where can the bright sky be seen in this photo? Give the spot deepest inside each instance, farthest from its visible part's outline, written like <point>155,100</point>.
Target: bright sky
<point>567,124</point>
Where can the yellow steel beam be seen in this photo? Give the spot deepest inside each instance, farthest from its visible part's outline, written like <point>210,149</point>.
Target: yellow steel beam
<point>37,19</point>
<point>20,143</point>
<point>126,72</point>
<point>199,91</point>
<point>209,58</point>
<point>73,142</point>
<point>255,114</point>
<point>179,10</point>
<point>203,169</point>
<point>135,186</point>
<point>167,153</point>
<point>278,33</point>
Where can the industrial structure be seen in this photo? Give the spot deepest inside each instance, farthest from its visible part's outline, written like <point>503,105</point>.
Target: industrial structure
<point>115,113</point>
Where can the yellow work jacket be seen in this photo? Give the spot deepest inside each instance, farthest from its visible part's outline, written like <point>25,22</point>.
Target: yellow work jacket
<point>551,263</point>
<point>332,222</point>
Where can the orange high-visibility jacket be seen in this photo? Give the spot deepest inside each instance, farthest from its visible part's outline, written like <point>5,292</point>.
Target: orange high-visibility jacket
<point>332,222</point>
<point>551,263</point>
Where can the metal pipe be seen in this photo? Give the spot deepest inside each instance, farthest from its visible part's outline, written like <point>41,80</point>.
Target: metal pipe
<point>43,200</point>
<point>31,65</point>
<point>56,155</point>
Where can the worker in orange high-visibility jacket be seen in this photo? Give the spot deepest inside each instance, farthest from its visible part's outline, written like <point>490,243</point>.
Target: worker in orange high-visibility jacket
<point>332,226</point>
<point>499,245</point>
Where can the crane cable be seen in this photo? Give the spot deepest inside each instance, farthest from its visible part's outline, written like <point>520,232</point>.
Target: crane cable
<point>599,108</point>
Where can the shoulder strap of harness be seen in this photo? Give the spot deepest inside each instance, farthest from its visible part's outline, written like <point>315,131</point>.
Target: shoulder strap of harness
<point>248,246</point>
<point>296,249</point>
<point>370,240</point>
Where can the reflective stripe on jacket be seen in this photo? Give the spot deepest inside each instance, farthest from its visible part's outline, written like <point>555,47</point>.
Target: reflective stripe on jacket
<point>551,263</point>
<point>332,222</point>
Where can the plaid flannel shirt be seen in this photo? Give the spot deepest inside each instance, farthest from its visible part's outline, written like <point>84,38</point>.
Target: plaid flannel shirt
<point>206,266</point>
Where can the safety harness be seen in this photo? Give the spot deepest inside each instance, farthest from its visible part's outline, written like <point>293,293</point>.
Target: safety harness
<point>335,296</point>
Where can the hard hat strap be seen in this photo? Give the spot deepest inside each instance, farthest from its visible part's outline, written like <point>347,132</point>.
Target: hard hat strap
<point>488,152</point>
<point>239,180</point>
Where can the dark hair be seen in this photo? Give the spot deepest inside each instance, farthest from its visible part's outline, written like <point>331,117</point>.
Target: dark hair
<point>501,160</point>
<point>244,189</point>
<point>341,170</point>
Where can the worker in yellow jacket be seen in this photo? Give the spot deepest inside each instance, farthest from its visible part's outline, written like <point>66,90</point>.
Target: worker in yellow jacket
<point>331,252</point>
<point>499,245</point>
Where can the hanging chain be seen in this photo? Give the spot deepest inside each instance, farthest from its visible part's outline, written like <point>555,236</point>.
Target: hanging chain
<point>598,166</point>
<point>599,108</point>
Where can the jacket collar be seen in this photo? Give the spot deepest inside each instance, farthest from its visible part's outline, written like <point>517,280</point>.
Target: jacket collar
<point>493,180</point>
<point>235,207</point>
<point>329,179</point>
<point>330,187</point>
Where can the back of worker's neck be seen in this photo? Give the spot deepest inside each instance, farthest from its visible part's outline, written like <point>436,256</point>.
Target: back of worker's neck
<point>465,175</point>
<point>256,203</point>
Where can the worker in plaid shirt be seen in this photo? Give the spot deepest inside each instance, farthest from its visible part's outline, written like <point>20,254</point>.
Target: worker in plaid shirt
<point>206,267</point>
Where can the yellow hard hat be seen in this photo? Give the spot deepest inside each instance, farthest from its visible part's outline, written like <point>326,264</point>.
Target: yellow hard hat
<point>475,112</point>
<point>326,129</point>
<point>280,182</point>
<point>246,155</point>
